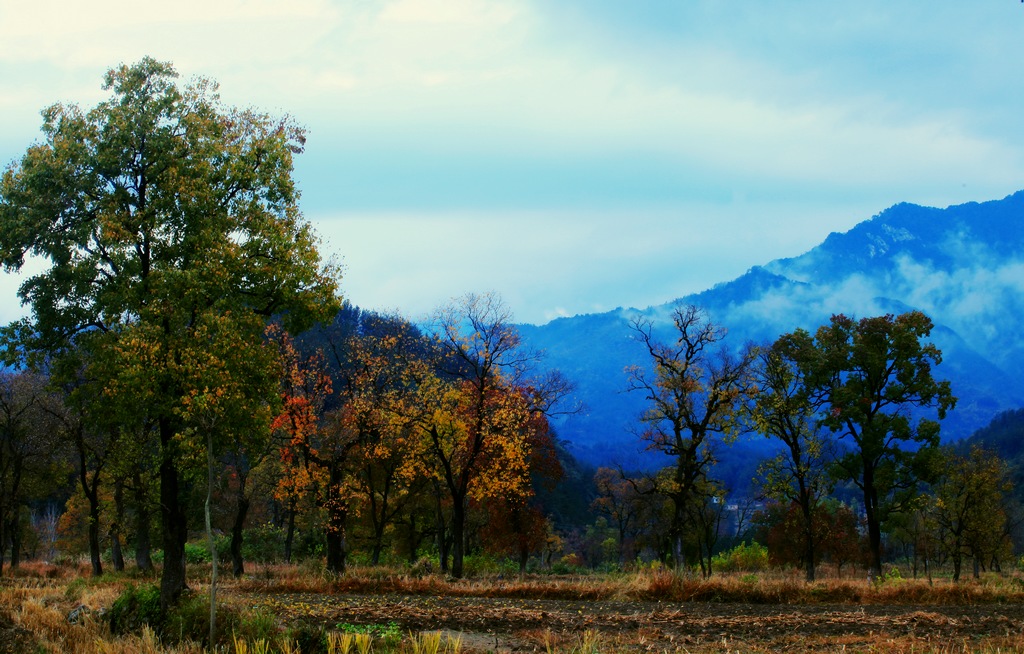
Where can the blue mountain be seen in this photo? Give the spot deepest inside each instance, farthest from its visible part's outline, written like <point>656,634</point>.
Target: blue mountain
<point>962,265</point>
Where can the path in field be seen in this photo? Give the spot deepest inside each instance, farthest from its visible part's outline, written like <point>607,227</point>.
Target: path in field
<point>499,624</point>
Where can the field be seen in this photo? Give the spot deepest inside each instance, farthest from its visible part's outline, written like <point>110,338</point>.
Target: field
<point>287,609</point>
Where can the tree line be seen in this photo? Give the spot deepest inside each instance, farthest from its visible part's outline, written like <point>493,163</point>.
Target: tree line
<point>168,364</point>
<point>853,407</point>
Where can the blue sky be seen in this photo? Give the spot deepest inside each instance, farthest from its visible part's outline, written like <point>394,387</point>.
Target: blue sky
<point>572,155</point>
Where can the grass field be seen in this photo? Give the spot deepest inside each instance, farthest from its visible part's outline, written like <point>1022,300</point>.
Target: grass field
<point>290,609</point>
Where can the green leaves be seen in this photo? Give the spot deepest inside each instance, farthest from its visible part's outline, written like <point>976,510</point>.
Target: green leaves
<point>171,232</point>
<point>870,381</point>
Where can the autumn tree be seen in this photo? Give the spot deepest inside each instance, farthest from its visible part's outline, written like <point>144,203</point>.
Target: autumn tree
<point>94,448</point>
<point>156,211</point>
<point>837,534</point>
<point>517,525</point>
<point>621,500</point>
<point>786,409</point>
<point>873,380</point>
<point>305,389</point>
<point>969,507</point>
<point>696,390</point>
<point>375,362</point>
<point>28,450</point>
<point>480,409</point>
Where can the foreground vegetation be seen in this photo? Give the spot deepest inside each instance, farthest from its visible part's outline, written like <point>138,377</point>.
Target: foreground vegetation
<point>286,608</point>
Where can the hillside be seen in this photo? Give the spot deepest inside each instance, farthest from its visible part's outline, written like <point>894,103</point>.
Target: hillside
<point>963,266</point>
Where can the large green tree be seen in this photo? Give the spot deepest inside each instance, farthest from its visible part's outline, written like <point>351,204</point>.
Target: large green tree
<point>159,211</point>
<point>873,379</point>
<point>787,409</point>
<point>969,507</point>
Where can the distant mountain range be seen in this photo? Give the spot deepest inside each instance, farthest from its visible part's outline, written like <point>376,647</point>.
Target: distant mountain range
<point>963,266</point>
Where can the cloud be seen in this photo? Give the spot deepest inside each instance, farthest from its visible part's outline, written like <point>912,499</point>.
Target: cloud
<point>700,137</point>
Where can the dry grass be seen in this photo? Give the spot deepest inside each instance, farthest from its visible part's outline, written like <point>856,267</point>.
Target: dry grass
<point>652,585</point>
<point>37,599</point>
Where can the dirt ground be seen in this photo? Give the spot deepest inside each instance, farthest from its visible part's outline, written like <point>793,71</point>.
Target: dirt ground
<point>511,625</point>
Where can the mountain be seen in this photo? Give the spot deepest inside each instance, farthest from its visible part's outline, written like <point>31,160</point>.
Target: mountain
<point>963,266</point>
<point>1004,436</point>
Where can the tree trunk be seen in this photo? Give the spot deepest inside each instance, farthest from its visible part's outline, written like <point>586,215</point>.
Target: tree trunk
<point>442,531</point>
<point>173,521</point>
<point>94,533</point>
<point>413,542</point>
<point>290,535</point>
<point>336,523</point>
<point>874,525</point>
<point>116,554</point>
<point>336,542</point>
<point>676,535</point>
<point>241,510</point>
<point>809,543</point>
<point>209,538</point>
<point>143,543</point>
<point>3,537</point>
<point>458,535</point>
<point>15,530</point>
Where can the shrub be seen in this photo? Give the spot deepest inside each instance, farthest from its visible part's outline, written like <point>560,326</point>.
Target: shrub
<point>196,553</point>
<point>135,607</point>
<point>189,621</point>
<point>568,564</point>
<point>258,625</point>
<point>309,638</point>
<point>742,558</point>
<point>476,565</point>
<point>263,544</point>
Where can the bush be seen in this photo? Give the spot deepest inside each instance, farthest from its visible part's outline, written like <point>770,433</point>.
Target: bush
<point>742,558</point>
<point>190,621</point>
<point>568,564</point>
<point>258,625</point>
<point>309,638</point>
<point>196,553</point>
<point>263,544</point>
<point>134,608</point>
<point>477,565</point>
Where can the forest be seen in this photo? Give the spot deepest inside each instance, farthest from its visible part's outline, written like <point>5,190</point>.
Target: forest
<point>189,390</point>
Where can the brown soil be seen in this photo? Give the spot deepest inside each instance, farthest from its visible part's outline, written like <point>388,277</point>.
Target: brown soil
<point>13,639</point>
<point>497,624</point>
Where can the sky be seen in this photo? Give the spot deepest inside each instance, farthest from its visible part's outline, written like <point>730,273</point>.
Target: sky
<point>573,156</point>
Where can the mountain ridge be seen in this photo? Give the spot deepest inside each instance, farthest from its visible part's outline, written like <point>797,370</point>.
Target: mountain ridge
<point>962,265</point>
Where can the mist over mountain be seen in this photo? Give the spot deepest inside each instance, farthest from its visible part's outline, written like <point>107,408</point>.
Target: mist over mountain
<point>963,266</point>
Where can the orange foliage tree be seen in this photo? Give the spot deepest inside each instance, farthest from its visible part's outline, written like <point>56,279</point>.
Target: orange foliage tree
<point>478,422</point>
<point>305,387</point>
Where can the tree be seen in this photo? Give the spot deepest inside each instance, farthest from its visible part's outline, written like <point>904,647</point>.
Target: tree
<point>969,506</point>
<point>873,380</point>
<point>785,409</point>
<point>480,410</point>
<point>696,389</point>
<point>158,211</point>
<point>311,459</point>
<point>376,362</point>
<point>621,500</point>
<point>27,446</point>
<point>837,534</point>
